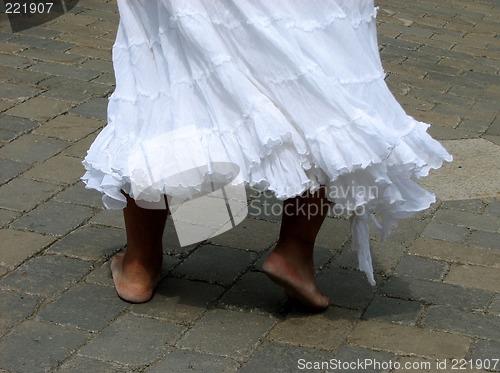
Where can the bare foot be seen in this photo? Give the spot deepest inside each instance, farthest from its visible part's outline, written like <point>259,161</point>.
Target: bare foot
<point>133,283</point>
<point>297,279</point>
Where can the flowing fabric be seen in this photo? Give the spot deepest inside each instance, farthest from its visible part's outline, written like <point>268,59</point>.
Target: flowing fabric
<point>291,91</point>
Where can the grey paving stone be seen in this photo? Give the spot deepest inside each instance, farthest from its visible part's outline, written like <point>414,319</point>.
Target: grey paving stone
<point>445,133</point>
<point>265,207</point>
<point>254,291</point>
<point>495,305</point>
<point>485,239</point>
<point>473,324</point>
<point>17,92</point>
<point>10,169</point>
<point>215,264</point>
<point>74,90</point>
<point>399,311</point>
<point>432,292</point>
<point>12,74</point>
<point>99,65</point>
<point>15,307</point>
<point>46,275</point>
<point>111,218</point>
<point>422,268</point>
<point>484,354</point>
<point>63,218</point>
<point>482,221</point>
<point>17,124</point>
<point>243,235</point>
<point>445,232</point>
<point>228,333</point>
<point>65,70</point>
<point>280,358</point>
<point>179,301</point>
<point>475,206</point>
<point>60,169</point>
<point>19,246</point>
<point>43,346</point>
<point>493,208</point>
<point>50,44</point>
<point>86,306</point>
<point>15,61</point>
<point>118,342</point>
<point>80,364</point>
<point>349,354</point>
<point>182,361</point>
<point>7,216</point>
<point>90,243</point>
<point>7,136</point>
<point>77,194</point>
<point>22,194</point>
<point>95,108</point>
<point>346,288</point>
<point>31,148</point>
<point>39,108</point>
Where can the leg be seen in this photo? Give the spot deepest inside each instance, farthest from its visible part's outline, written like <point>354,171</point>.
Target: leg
<point>137,271</point>
<point>290,264</point>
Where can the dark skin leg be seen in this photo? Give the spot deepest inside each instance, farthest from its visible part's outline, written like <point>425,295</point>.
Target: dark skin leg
<point>136,272</point>
<point>290,264</point>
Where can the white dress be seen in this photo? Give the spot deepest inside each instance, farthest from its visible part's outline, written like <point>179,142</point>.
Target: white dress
<point>291,91</point>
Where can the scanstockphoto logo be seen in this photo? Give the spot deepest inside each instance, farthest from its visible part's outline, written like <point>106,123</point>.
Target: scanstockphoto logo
<point>205,197</point>
<point>25,14</point>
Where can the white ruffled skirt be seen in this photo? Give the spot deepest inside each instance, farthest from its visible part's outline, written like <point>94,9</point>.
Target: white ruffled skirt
<point>290,91</point>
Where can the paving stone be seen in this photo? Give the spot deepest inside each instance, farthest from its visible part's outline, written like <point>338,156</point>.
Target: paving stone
<point>109,218</point>
<point>102,54</point>
<point>15,308</point>
<point>228,333</point>
<point>16,75</point>
<point>98,65</point>
<point>474,125</point>
<point>7,136</point>
<point>474,206</point>
<point>19,246</point>
<point>39,108</point>
<point>95,108</point>
<point>118,342</point>
<point>65,70</point>
<point>90,243</point>
<point>455,253</point>
<point>80,148</point>
<point>17,92</point>
<point>409,340</point>
<point>19,62</point>
<point>86,306</point>
<point>70,89</point>
<point>266,207</point>
<point>17,124</point>
<point>418,267</point>
<point>37,42</point>
<point>493,208</point>
<point>445,232</point>
<point>4,105</point>
<point>315,331</point>
<point>31,148</point>
<point>495,306</point>
<point>22,194</point>
<point>44,346</point>
<point>205,264</point>
<point>10,169</point>
<point>80,364</point>
<point>36,276</point>
<point>280,358</point>
<point>432,292</point>
<point>484,222</point>
<point>79,195</point>
<point>444,133</point>
<point>393,310</point>
<point>254,291</point>
<point>60,169</point>
<point>181,361</point>
<point>243,235</point>
<point>106,78</point>
<point>48,56</point>
<point>69,127</point>
<point>7,216</point>
<point>63,218</point>
<point>484,354</point>
<point>179,301</point>
<point>485,239</point>
<point>374,361</point>
<point>346,288</point>
<point>475,277</point>
<point>466,323</point>
<point>435,118</point>
<point>424,365</point>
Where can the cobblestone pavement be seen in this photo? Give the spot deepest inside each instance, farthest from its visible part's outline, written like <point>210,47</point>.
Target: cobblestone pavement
<point>438,277</point>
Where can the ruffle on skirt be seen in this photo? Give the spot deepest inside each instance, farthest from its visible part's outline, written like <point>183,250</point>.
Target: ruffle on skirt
<point>292,92</point>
